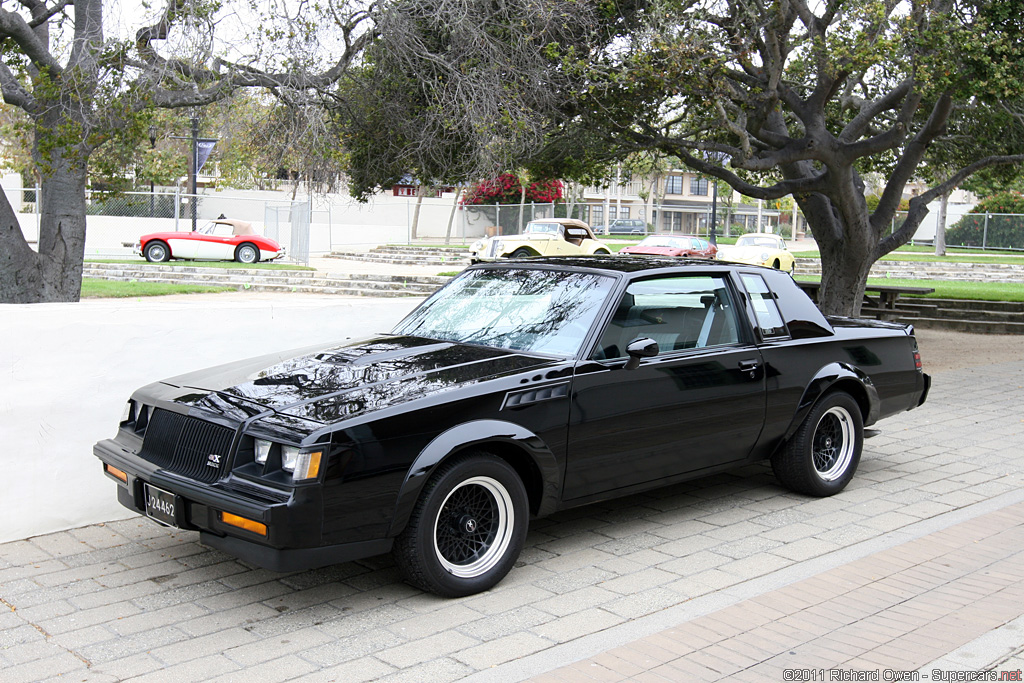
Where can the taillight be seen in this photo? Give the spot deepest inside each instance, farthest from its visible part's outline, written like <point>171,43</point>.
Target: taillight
<point>917,357</point>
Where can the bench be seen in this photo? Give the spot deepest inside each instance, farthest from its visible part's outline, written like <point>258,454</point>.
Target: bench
<point>879,300</point>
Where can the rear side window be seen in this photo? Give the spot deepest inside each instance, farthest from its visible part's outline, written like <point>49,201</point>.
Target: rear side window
<point>769,320</point>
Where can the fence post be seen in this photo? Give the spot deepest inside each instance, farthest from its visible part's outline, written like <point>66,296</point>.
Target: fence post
<point>177,206</point>
<point>984,234</point>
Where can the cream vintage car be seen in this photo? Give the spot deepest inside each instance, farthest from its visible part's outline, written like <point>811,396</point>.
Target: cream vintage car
<point>543,237</point>
<point>759,249</point>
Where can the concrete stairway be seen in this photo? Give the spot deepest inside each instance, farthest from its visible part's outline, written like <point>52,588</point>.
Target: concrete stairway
<point>457,257</point>
<point>932,270</point>
<point>264,280</point>
<point>963,315</point>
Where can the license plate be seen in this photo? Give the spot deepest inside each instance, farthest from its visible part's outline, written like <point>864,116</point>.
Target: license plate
<point>160,506</point>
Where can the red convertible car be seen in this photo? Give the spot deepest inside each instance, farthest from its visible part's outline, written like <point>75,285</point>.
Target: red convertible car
<point>673,245</point>
<point>223,239</point>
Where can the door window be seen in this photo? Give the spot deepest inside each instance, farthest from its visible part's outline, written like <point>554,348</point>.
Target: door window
<point>769,320</point>
<point>677,312</point>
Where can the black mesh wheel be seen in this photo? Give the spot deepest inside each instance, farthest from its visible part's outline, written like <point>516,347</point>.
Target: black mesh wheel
<point>466,529</point>
<point>822,456</point>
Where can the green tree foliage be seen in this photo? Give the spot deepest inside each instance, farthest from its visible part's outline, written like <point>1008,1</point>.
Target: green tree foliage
<point>463,89</point>
<point>786,98</point>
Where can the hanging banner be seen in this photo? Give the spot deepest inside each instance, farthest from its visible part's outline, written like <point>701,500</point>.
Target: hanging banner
<point>203,150</point>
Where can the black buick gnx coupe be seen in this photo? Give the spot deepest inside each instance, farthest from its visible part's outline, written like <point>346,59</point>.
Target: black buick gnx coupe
<point>519,389</point>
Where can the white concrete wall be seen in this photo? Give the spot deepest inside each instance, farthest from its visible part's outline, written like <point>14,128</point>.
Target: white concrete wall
<point>66,371</point>
<point>338,221</point>
<point>954,212</point>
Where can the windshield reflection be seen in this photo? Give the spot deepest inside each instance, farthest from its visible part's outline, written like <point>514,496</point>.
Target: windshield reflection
<point>522,309</point>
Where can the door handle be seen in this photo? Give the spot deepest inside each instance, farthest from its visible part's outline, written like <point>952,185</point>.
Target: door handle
<point>749,366</point>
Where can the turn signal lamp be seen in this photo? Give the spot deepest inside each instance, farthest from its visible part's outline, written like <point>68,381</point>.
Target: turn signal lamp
<point>302,464</point>
<point>116,473</point>
<point>243,523</point>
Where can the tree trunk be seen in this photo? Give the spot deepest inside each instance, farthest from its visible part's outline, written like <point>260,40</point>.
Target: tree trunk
<point>451,216</point>
<point>420,191</point>
<point>940,225</point>
<point>54,272</point>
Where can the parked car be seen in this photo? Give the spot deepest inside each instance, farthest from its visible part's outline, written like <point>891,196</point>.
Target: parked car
<point>223,239</point>
<point>673,245</point>
<point>519,389</point>
<point>759,249</point>
<point>546,237</point>
<point>624,226</point>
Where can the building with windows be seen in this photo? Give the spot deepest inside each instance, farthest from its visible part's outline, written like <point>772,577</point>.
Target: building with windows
<point>681,202</point>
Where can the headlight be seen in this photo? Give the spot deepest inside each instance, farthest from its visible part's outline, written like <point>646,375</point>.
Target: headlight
<point>262,451</point>
<point>764,256</point>
<point>302,464</point>
<point>477,246</point>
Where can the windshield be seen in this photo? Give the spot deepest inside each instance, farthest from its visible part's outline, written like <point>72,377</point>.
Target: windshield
<point>537,226</point>
<point>664,241</point>
<point>523,309</point>
<point>754,241</point>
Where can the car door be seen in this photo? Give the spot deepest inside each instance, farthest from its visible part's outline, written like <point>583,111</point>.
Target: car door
<point>218,244</point>
<point>184,245</point>
<point>698,404</point>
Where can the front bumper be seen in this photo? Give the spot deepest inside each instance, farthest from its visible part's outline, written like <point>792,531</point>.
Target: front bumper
<point>293,519</point>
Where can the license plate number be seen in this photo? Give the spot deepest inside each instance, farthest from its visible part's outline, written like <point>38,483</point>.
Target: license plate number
<point>160,506</point>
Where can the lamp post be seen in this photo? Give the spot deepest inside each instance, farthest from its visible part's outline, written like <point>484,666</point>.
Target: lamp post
<point>152,146</point>
<point>194,170</point>
<point>719,158</point>
<point>714,212</point>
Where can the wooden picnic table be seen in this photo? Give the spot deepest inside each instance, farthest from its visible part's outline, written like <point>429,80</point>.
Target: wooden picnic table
<point>879,300</point>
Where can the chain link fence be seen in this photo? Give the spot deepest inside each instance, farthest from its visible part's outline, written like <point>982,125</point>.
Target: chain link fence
<point>321,224</point>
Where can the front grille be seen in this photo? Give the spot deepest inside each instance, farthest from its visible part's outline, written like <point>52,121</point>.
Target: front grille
<point>183,445</point>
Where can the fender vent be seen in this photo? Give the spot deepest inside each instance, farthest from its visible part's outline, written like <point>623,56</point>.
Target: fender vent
<point>519,399</point>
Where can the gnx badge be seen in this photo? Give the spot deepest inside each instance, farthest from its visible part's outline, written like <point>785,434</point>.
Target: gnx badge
<point>213,460</point>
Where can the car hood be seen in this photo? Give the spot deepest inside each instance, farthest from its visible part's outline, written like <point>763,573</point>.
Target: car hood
<point>338,382</point>
<point>528,237</point>
<point>654,251</point>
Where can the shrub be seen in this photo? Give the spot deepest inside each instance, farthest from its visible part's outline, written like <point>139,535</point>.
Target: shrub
<point>1002,228</point>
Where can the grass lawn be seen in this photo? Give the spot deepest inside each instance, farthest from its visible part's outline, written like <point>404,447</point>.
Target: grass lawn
<point>206,264</point>
<point>949,289</point>
<point>95,288</point>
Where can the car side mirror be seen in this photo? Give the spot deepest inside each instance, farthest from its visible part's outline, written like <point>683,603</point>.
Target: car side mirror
<point>644,347</point>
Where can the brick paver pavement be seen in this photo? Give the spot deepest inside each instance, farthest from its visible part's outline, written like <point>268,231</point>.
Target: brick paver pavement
<point>132,601</point>
<point>881,617</point>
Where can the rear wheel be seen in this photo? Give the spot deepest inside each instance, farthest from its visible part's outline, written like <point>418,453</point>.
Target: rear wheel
<point>247,252</point>
<point>602,252</point>
<point>822,456</point>
<point>157,252</point>
<point>467,528</point>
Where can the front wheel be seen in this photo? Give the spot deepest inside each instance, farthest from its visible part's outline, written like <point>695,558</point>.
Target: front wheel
<point>247,253</point>
<point>601,252</point>
<point>822,456</point>
<point>467,528</point>
<point>157,252</point>
<point>522,252</point>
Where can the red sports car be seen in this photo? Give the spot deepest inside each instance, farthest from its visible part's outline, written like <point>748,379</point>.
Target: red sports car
<point>673,245</point>
<point>223,239</point>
